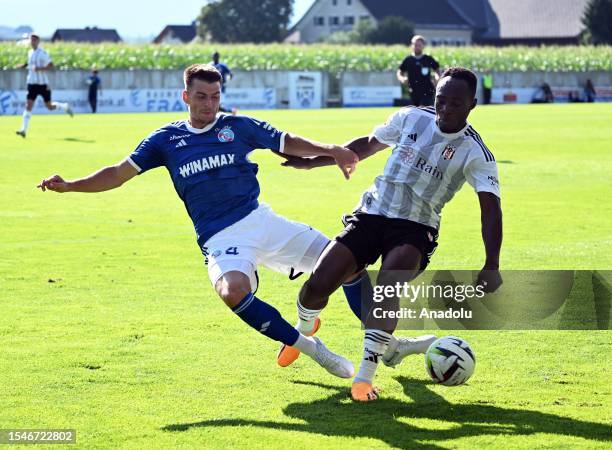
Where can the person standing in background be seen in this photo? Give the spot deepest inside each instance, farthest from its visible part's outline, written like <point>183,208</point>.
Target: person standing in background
<point>589,91</point>
<point>416,72</point>
<point>94,86</point>
<point>487,87</point>
<point>226,75</point>
<point>39,63</point>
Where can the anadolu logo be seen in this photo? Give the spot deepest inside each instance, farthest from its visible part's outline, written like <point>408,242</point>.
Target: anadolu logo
<point>226,134</point>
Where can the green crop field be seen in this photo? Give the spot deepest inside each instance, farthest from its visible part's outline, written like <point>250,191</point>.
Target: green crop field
<point>329,58</point>
<point>109,325</point>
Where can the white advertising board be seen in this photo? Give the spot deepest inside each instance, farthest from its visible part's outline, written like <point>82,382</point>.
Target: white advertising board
<point>134,100</point>
<point>360,96</point>
<point>305,90</point>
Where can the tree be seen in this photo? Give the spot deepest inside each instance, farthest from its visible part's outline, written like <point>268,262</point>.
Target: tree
<point>598,21</point>
<point>390,30</point>
<point>358,35</point>
<point>245,20</point>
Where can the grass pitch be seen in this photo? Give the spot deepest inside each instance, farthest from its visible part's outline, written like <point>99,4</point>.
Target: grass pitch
<point>109,325</point>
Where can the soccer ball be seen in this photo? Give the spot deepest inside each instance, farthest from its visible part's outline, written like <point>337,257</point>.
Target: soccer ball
<point>450,361</point>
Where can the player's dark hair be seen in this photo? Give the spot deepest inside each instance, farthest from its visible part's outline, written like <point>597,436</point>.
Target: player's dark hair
<point>203,72</point>
<point>461,73</point>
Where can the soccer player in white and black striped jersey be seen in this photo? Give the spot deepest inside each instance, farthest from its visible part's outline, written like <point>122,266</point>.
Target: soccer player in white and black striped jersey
<point>434,152</point>
<point>39,63</point>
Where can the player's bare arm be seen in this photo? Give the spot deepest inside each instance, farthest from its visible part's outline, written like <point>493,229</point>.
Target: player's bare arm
<point>105,179</point>
<point>491,218</point>
<point>363,147</point>
<point>401,77</point>
<point>304,148</point>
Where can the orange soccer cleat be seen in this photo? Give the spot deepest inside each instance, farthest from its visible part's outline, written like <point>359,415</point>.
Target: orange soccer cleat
<point>287,354</point>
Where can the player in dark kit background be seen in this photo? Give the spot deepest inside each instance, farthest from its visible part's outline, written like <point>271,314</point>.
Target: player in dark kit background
<point>416,72</point>
<point>94,83</point>
<point>226,75</point>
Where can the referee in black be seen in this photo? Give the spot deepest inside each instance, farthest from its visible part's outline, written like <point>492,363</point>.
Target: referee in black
<point>416,72</point>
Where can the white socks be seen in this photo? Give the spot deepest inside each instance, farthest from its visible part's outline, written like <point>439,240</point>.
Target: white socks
<point>306,345</point>
<point>306,318</point>
<point>26,120</point>
<point>62,106</point>
<point>375,345</point>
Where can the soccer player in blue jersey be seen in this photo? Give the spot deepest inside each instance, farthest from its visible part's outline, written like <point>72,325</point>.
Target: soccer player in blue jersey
<point>207,158</point>
<point>226,75</point>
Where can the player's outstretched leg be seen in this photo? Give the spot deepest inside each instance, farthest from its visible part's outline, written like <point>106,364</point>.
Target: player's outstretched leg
<point>235,290</point>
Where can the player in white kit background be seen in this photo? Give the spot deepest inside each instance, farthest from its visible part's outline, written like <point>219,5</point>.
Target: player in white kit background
<point>39,63</point>
<point>434,152</point>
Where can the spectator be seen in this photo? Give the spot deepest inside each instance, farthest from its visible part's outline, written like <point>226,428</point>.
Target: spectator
<point>94,83</point>
<point>416,72</point>
<point>543,95</point>
<point>487,86</point>
<point>589,91</point>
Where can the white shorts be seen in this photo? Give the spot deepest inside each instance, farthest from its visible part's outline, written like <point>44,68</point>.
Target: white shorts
<point>263,238</point>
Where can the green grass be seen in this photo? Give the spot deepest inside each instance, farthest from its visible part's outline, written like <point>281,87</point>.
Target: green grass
<point>109,325</point>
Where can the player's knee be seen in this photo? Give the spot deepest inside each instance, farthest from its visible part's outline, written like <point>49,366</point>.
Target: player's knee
<point>232,292</point>
<point>314,293</point>
<point>49,105</point>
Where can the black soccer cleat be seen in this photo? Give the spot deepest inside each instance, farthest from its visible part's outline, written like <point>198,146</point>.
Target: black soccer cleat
<point>21,133</point>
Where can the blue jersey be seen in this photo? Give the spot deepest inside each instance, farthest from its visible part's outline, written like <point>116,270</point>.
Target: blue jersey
<point>210,167</point>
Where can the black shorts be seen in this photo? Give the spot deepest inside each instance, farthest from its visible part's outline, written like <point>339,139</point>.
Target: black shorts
<point>34,90</point>
<point>370,236</point>
<point>422,98</point>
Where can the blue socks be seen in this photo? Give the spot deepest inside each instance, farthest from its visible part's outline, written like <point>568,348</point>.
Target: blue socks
<point>353,290</point>
<point>266,319</point>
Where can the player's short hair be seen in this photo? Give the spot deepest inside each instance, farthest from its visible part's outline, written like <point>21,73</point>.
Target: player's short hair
<point>418,37</point>
<point>204,72</point>
<point>461,73</point>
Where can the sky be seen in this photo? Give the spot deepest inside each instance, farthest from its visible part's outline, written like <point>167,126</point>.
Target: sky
<point>132,19</point>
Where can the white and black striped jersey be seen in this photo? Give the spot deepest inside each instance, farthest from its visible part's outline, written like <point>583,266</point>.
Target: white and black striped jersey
<point>37,58</point>
<point>426,167</point>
